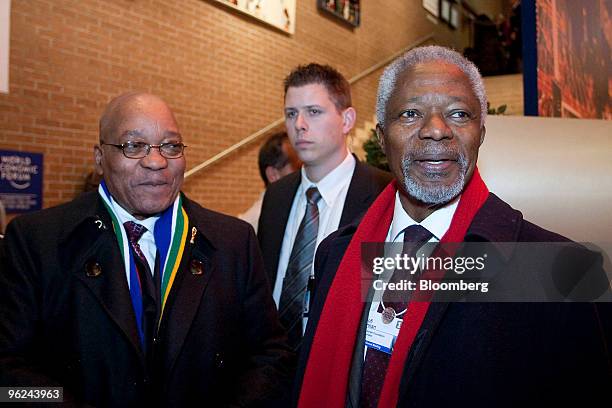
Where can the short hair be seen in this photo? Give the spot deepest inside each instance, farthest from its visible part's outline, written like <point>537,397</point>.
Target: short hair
<point>388,79</point>
<point>272,154</point>
<point>337,86</point>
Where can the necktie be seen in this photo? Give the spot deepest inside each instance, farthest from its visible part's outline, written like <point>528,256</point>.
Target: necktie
<point>147,285</point>
<point>291,305</point>
<point>376,362</point>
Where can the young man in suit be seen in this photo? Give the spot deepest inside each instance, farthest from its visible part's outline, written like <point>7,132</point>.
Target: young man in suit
<point>332,189</point>
<point>134,295</point>
<point>362,351</point>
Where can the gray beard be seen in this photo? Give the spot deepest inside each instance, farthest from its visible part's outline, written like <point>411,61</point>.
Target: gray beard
<point>433,195</point>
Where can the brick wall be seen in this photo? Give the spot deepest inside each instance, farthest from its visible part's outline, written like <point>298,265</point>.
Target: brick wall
<point>220,71</point>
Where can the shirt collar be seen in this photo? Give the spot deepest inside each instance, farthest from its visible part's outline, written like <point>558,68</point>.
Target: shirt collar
<point>437,222</point>
<point>125,216</point>
<point>330,186</point>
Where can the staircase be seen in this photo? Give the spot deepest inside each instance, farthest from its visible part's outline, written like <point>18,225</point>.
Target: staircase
<point>360,136</point>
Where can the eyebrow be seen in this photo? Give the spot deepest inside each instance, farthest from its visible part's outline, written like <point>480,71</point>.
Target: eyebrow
<point>138,132</point>
<point>303,107</point>
<point>420,98</point>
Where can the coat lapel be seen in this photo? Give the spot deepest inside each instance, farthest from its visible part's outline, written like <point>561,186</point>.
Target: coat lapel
<point>278,223</point>
<point>194,273</point>
<point>358,196</point>
<point>434,315</point>
<point>91,252</point>
<point>494,222</point>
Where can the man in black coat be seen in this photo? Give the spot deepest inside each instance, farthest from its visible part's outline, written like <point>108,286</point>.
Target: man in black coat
<point>318,117</point>
<point>360,352</point>
<point>179,314</point>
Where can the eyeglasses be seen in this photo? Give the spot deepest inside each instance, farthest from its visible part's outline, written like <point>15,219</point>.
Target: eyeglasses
<point>138,150</point>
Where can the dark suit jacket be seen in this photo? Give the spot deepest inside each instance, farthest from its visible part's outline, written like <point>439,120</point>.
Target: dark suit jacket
<point>367,182</point>
<point>219,344</point>
<point>491,354</point>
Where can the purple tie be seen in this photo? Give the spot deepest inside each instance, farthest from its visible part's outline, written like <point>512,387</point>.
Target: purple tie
<point>150,297</point>
<point>376,362</point>
<point>134,232</point>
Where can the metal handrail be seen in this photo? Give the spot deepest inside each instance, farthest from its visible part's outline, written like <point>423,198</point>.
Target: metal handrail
<point>279,121</point>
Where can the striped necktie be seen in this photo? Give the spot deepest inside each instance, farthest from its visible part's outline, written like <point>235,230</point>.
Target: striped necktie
<point>291,305</point>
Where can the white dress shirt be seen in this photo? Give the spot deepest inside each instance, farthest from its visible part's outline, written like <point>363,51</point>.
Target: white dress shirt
<point>437,223</point>
<point>333,188</point>
<point>147,241</point>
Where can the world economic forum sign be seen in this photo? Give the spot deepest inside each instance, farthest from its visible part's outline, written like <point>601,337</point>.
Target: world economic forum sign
<point>21,176</point>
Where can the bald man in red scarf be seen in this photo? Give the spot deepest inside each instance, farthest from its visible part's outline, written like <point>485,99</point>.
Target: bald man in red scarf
<point>431,110</point>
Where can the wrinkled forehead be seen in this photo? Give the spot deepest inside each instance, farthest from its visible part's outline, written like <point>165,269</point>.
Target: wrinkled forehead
<point>436,80</point>
<point>144,105</point>
<point>141,116</point>
<point>431,74</point>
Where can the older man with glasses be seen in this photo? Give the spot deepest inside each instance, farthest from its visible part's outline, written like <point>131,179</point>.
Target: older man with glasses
<point>135,295</point>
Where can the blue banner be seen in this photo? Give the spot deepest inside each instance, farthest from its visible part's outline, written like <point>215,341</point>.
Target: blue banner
<point>21,181</point>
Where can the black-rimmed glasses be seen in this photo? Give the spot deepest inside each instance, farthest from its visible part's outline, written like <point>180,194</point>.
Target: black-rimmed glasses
<point>138,150</point>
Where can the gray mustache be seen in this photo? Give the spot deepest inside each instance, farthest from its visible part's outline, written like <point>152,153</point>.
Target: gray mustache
<point>428,150</point>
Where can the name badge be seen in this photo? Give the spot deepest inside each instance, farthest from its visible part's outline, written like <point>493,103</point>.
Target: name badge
<point>380,334</point>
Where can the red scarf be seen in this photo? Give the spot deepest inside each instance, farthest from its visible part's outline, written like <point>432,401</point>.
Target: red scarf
<point>329,363</point>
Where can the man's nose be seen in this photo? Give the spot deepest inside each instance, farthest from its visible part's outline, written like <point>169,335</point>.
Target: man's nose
<point>154,160</point>
<point>300,122</point>
<point>435,127</point>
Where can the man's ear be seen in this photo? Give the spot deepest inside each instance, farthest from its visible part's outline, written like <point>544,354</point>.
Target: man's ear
<point>272,174</point>
<point>380,135</point>
<point>482,135</point>
<point>349,116</point>
<point>98,160</point>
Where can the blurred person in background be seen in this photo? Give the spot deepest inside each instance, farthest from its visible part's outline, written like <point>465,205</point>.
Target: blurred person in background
<point>277,158</point>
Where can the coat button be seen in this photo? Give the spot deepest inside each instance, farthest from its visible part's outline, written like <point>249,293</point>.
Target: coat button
<point>219,362</point>
<point>196,267</point>
<point>93,269</point>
